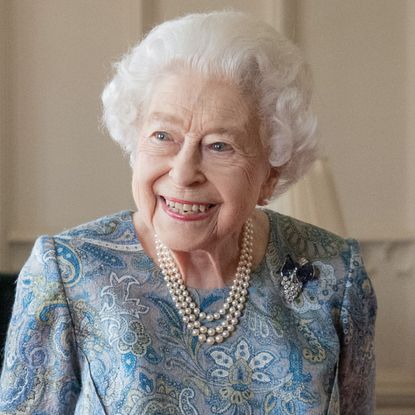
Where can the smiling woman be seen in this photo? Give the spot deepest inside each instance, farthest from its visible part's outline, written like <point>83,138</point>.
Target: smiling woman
<point>199,301</point>
<point>195,116</point>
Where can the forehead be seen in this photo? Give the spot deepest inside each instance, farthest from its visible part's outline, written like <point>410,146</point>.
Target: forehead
<point>187,95</point>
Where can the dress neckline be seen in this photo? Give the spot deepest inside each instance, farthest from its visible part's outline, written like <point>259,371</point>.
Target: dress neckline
<point>201,292</point>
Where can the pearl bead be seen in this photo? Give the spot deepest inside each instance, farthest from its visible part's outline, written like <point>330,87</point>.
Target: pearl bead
<point>188,309</point>
<point>219,338</point>
<point>211,332</point>
<point>210,341</point>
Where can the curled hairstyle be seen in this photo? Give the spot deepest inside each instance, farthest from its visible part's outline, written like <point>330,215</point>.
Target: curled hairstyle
<point>234,46</point>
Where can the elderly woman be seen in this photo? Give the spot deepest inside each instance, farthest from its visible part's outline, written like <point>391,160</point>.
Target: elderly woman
<point>199,302</point>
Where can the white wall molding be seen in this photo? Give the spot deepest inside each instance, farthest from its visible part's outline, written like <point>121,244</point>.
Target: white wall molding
<point>136,20</point>
<point>285,17</point>
<point>16,237</point>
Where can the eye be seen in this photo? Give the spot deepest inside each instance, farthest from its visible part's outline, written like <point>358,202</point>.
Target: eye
<point>161,136</point>
<point>219,146</point>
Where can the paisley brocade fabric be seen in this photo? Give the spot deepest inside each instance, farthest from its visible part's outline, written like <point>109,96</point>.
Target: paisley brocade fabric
<point>94,331</point>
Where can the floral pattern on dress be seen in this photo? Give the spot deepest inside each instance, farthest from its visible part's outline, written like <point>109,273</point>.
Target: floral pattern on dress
<point>240,373</point>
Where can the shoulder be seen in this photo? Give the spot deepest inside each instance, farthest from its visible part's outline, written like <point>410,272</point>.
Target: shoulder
<point>304,240</point>
<point>116,228</point>
<point>87,249</point>
<point>336,259</point>
<point>341,271</point>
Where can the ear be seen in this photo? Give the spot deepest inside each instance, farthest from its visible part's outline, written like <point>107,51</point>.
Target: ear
<point>268,186</point>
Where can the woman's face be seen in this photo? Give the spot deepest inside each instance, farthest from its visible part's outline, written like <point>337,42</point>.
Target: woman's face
<point>200,167</point>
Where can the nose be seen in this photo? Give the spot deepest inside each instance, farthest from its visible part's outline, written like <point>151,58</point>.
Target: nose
<point>185,168</point>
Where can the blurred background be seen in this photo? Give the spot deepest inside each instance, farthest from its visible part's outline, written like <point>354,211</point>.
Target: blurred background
<point>58,168</point>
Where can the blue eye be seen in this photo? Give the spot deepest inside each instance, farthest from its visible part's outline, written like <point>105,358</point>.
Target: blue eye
<point>161,136</point>
<point>219,146</point>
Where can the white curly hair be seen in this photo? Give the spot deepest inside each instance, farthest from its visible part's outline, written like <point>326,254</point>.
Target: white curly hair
<point>247,52</point>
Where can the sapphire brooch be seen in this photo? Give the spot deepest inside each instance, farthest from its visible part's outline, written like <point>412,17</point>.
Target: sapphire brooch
<point>294,275</point>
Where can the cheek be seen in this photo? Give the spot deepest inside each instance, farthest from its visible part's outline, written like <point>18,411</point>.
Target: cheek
<point>241,184</point>
<point>142,186</point>
<point>252,176</point>
<point>136,187</point>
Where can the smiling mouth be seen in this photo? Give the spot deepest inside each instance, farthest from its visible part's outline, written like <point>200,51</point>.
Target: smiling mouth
<point>186,207</point>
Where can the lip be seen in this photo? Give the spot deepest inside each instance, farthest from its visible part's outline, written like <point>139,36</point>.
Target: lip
<point>186,218</point>
<point>188,202</point>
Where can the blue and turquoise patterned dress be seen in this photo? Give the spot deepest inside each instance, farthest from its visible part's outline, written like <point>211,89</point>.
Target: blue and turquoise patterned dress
<point>94,331</point>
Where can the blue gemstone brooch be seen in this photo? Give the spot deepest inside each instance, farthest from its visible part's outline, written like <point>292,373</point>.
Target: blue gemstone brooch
<point>294,275</point>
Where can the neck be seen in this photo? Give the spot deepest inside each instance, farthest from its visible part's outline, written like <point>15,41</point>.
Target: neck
<point>213,268</point>
<point>208,269</point>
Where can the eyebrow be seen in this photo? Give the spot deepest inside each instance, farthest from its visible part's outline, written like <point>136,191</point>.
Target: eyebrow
<point>170,118</point>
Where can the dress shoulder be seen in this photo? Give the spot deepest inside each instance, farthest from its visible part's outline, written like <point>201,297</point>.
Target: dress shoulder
<point>41,372</point>
<point>301,239</point>
<point>116,228</point>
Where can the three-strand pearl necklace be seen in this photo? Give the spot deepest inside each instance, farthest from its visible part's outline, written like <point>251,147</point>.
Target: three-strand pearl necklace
<point>233,306</point>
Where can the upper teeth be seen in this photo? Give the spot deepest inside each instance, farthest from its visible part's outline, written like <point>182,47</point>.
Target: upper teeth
<point>185,207</point>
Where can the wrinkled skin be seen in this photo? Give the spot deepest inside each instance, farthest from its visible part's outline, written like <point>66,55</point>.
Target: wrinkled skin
<point>199,143</point>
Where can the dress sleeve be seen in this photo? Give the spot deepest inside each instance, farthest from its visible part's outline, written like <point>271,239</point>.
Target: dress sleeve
<point>357,358</point>
<point>40,370</point>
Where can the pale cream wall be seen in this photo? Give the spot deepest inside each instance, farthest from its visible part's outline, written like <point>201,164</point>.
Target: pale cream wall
<point>358,53</point>
<point>409,23</point>
<point>157,11</point>
<point>64,169</point>
<point>3,133</point>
